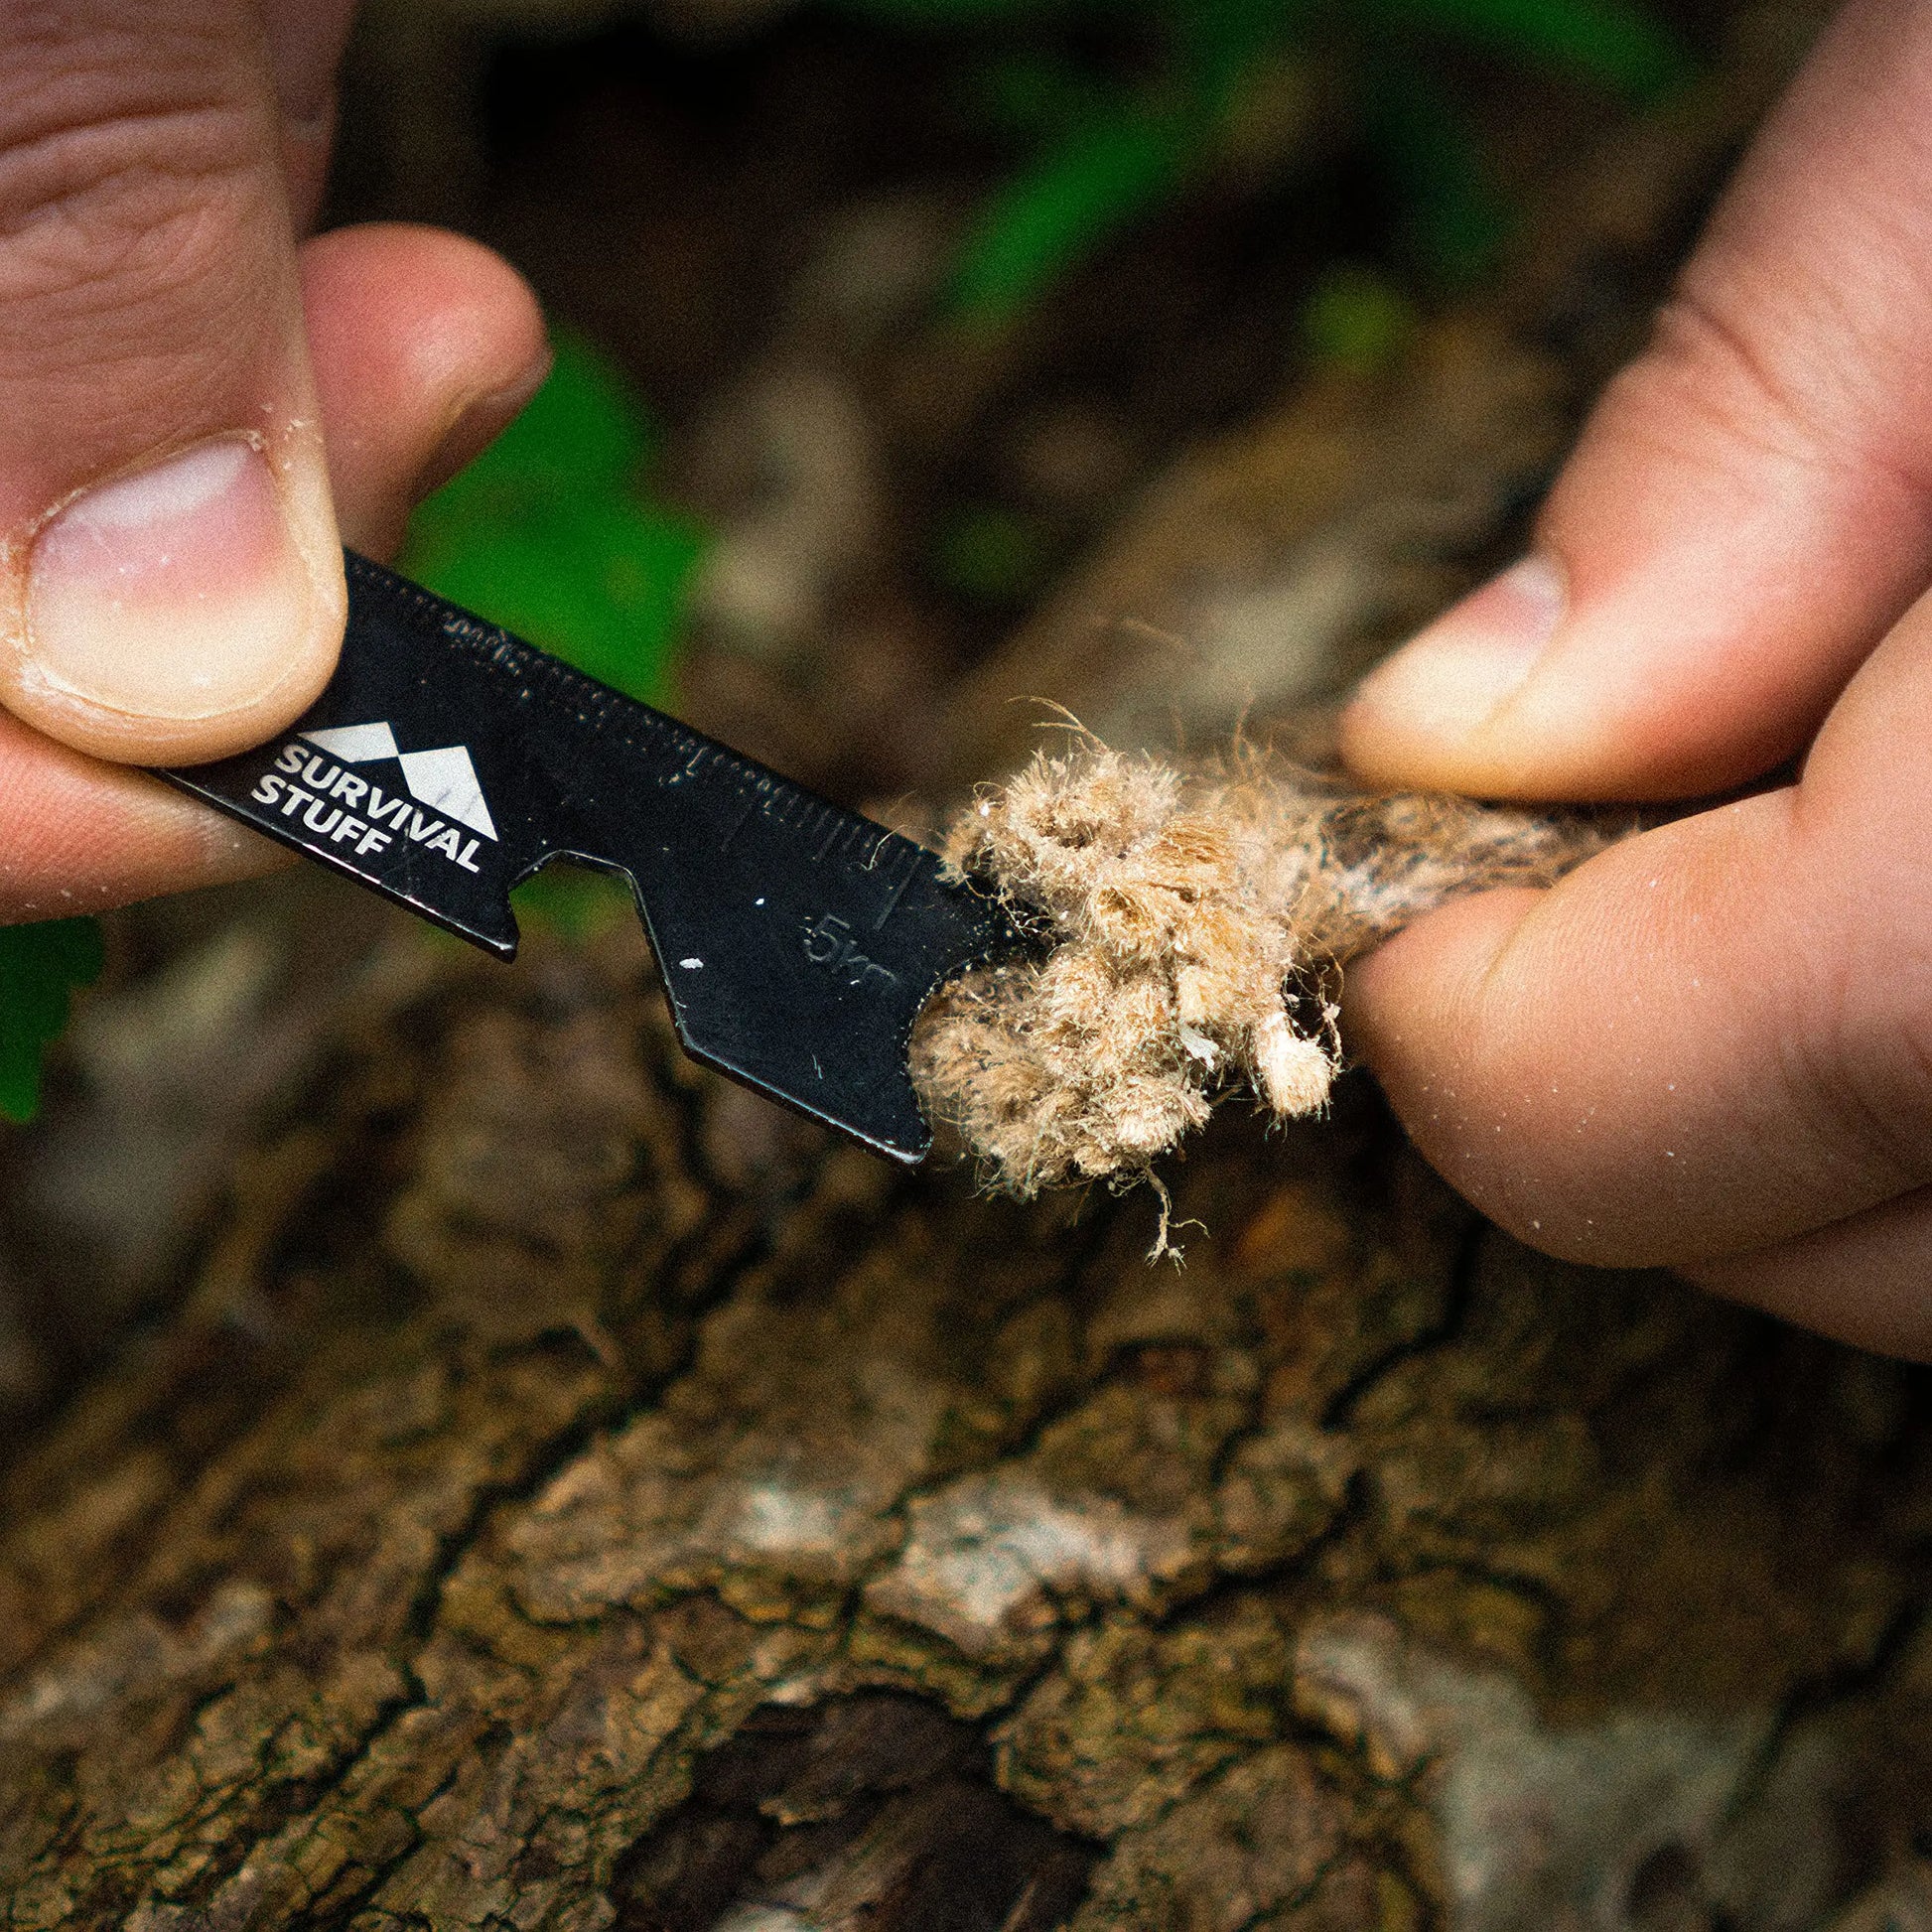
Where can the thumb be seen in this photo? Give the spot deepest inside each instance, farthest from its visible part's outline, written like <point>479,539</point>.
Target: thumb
<point>171,581</point>
<point>1749,508</point>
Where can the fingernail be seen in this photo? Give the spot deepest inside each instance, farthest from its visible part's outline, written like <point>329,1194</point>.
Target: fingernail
<point>478,420</point>
<point>175,593</point>
<point>1455,675</point>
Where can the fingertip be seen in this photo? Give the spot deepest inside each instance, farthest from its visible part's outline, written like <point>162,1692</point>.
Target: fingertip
<point>1747,509</point>
<point>478,418</point>
<point>1660,1059</point>
<point>182,610</point>
<point>467,310</point>
<point>1530,690</point>
<point>1426,718</point>
<point>1436,967</point>
<point>425,346</point>
<point>79,836</point>
<point>1866,1280</point>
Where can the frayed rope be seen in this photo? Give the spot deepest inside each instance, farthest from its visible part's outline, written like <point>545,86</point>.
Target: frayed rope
<point>1197,920</point>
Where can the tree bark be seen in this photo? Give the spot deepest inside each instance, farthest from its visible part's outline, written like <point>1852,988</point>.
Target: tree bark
<point>568,1495</point>
<point>573,1496</point>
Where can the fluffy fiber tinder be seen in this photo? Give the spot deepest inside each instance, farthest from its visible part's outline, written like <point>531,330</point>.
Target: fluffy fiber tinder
<point>1196,924</point>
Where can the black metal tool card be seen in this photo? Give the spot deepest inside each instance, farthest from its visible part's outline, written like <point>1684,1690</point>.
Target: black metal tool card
<point>447,761</point>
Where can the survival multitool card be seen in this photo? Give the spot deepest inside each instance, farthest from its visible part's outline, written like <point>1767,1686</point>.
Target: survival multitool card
<point>447,761</point>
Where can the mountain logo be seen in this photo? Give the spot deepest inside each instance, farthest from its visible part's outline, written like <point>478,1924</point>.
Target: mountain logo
<point>443,780</point>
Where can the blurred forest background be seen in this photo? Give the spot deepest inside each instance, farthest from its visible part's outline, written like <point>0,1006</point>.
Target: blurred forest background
<point>460,1466</point>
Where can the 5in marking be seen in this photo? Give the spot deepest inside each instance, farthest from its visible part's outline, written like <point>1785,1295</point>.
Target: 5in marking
<point>830,945</point>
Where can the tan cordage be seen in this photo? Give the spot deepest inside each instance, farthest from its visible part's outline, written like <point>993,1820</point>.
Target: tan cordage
<point>1197,919</point>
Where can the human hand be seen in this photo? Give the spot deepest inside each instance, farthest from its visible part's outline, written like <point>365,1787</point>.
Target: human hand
<point>189,403</point>
<point>1711,1045</point>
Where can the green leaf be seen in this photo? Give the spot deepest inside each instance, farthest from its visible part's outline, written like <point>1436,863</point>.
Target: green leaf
<point>1356,320</point>
<point>1108,155</point>
<point>572,901</point>
<point>602,587</point>
<point>1612,44</point>
<point>40,966</point>
<point>1454,222</point>
<point>552,534</point>
<point>1088,185</point>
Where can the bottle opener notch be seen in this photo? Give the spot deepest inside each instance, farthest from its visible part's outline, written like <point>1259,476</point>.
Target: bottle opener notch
<point>448,760</point>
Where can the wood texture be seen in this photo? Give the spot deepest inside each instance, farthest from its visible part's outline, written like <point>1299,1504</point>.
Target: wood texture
<point>573,1497</point>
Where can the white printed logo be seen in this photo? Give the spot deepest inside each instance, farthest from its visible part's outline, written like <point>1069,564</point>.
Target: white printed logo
<point>444,780</point>
<point>346,808</point>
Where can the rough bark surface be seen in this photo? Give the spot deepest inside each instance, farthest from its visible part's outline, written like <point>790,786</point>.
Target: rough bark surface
<point>571,1497</point>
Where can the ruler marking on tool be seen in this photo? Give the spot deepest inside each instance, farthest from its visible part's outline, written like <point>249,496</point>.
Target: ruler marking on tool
<point>908,867</point>
<point>743,819</point>
<point>833,833</point>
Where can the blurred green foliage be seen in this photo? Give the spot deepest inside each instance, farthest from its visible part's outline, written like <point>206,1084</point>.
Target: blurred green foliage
<point>1356,320</point>
<point>554,533</point>
<point>993,555</point>
<point>1105,150</point>
<point>40,966</point>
